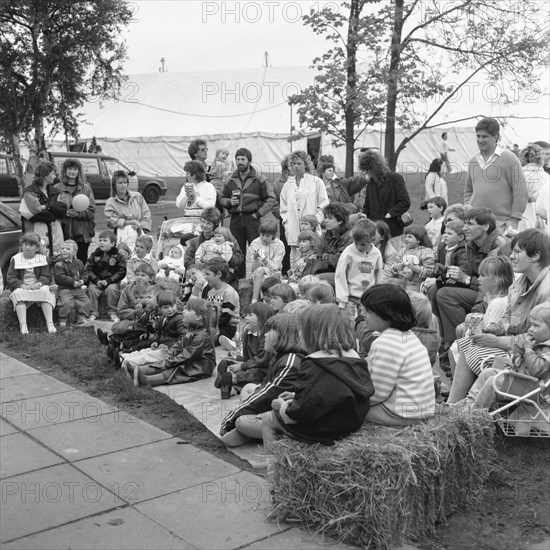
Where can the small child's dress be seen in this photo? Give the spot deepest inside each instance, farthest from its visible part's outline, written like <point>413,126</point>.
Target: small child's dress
<point>495,320</point>
<point>27,271</point>
<point>210,249</point>
<point>267,257</point>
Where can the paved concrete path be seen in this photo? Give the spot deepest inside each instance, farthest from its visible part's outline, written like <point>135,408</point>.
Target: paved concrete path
<point>77,473</point>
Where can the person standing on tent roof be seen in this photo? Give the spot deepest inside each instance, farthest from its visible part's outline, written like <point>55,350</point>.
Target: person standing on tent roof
<point>495,179</point>
<point>247,198</point>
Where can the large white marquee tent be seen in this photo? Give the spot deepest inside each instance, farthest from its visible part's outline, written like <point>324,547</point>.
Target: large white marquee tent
<point>159,114</point>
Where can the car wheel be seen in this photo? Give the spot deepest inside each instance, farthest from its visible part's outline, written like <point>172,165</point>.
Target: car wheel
<point>151,194</point>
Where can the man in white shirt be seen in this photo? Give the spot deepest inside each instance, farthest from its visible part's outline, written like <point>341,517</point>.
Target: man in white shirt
<point>444,152</point>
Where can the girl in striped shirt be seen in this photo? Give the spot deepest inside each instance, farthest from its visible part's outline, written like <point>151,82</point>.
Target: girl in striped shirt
<point>398,363</point>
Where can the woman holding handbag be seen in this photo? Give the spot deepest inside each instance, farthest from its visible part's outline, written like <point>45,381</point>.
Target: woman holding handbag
<point>387,197</point>
<point>41,209</point>
<point>126,211</point>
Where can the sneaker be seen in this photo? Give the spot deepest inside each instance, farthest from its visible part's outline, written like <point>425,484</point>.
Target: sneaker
<point>227,344</point>
<point>114,318</point>
<point>81,320</point>
<point>91,319</point>
<point>102,336</point>
<point>52,329</point>
<point>222,369</point>
<point>226,385</point>
<point>63,325</point>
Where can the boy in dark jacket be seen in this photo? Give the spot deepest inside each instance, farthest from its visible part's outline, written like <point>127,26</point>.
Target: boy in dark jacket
<point>70,275</point>
<point>106,267</point>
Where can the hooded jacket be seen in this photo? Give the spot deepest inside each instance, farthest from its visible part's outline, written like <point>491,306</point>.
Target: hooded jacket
<point>281,376</point>
<point>331,399</point>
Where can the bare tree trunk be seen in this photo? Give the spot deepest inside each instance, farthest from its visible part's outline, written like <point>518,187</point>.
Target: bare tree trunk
<point>17,161</point>
<point>351,79</point>
<point>393,79</point>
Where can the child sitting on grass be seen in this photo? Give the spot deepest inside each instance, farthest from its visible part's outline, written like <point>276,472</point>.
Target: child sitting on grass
<point>141,254</point>
<point>216,272</point>
<point>220,244</point>
<point>309,223</point>
<point>235,374</point>
<point>308,247</point>
<point>322,293</point>
<point>359,267</point>
<point>70,276</point>
<point>264,256</point>
<point>530,356</point>
<point>131,296</point>
<point>305,284</point>
<point>415,262</point>
<point>30,280</point>
<point>267,284</point>
<point>193,356</point>
<point>280,296</point>
<point>398,362</point>
<point>106,267</point>
<point>282,342</point>
<point>133,334</point>
<point>170,329</point>
<point>331,396</point>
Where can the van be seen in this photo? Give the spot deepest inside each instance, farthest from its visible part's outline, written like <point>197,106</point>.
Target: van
<point>9,180</point>
<point>98,170</point>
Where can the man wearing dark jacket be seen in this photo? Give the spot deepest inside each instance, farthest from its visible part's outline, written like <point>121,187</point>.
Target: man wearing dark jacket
<point>482,239</point>
<point>247,198</point>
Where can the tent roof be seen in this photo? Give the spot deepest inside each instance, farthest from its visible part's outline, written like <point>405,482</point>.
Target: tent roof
<point>203,103</point>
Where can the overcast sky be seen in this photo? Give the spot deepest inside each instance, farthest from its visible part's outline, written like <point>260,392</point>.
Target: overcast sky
<point>194,35</point>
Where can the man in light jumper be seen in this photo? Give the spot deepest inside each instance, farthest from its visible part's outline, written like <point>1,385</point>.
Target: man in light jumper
<point>495,178</point>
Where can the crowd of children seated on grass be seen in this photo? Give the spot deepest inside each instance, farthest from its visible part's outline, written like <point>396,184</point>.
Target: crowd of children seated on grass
<point>321,350</point>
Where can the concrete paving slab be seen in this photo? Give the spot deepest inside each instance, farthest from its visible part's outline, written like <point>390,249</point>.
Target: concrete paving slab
<point>297,540</point>
<point>227,513</point>
<point>12,367</point>
<point>98,435</point>
<point>47,410</point>
<point>20,454</point>
<point>30,385</point>
<point>125,529</point>
<point>49,498</point>
<point>6,428</point>
<point>204,402</point>
<point>156,469</point>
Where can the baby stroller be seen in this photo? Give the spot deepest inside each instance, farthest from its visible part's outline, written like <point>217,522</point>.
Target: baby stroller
<point>527,415</point>
<point>171,231</point>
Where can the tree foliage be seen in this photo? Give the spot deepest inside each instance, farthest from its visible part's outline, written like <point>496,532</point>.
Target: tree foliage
<point>410,51</point>
<point>54,56</point>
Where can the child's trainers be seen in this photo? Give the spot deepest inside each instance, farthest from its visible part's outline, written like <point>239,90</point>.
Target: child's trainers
<point>91,319</point>
<point>114,318</point>
<point>227,344</point>
<point>226,385</point>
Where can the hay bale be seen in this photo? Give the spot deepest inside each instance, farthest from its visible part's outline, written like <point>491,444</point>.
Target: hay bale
<point>382,486</point>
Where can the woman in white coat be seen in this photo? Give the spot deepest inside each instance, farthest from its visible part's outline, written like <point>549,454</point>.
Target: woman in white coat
<point>303,194</point>
<point>536,179</point>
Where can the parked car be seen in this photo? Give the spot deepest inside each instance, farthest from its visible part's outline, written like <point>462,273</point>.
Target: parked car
<point>9,180</point>
<point>10,233</point>
<point>98,169</point>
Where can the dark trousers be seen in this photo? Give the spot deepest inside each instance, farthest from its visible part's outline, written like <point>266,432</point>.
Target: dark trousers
<point>286,257</point>
<point>453,305</point>
<point>82,251</point>
<point>245,229</point>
